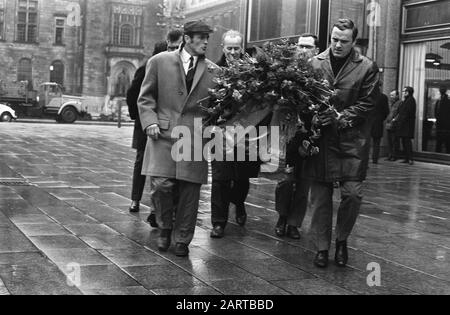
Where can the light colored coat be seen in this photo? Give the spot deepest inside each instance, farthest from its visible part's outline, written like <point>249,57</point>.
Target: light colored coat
<point>164,100</point>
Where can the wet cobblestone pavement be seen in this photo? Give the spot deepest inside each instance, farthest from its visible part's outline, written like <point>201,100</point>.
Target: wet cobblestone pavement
<point>64,197</point>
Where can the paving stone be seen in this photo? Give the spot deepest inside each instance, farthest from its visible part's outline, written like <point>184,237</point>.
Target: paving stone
<point>108,242</point>
<point>163,277</point>
<point>102,277</point>
<point>83,257</point>
<point>42,279</point>
<point>137,291</point>
<point>42,229</point>
<point>57,242</point>
<point>133,257</point>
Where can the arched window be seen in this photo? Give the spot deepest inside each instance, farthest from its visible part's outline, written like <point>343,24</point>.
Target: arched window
<point>25,72</point>
<point>126,25</point>
<point>57,72</point>
<point>126,35</point>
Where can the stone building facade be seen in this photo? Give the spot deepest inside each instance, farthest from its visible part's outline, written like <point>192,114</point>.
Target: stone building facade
<point>91,47</point>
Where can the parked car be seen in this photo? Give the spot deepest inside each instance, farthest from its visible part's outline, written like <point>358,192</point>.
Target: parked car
<point>7,114</point>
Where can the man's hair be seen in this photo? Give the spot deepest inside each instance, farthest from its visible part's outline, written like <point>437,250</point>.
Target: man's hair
<point>316,39</point>
<point>347,24</point>
<point>233,33</point>
<point>174,35</point>
<point>443,90</point>
<point>159,48</point>
<point>410,90</point>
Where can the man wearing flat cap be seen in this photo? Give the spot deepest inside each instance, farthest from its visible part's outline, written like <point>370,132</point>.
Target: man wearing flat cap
<point>173,85</point>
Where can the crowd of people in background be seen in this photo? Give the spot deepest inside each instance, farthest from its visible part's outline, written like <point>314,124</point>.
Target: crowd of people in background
<point>165,92</point>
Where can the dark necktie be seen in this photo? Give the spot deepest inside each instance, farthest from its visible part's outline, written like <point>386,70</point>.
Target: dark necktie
<point>190,75</point>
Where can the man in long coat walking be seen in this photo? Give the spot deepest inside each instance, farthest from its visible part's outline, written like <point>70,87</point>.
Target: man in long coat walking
<point>173,85</point>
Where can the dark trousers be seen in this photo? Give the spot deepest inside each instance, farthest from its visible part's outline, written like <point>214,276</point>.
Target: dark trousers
<point>393,143</point>
<point>225,192</point>
<point>170,195</point>
<point>441,141</point>
<point>407,147</point>
<point>291,200</point>
<point>138,178</point>
<point>376,149</point>
<point>322,207</point>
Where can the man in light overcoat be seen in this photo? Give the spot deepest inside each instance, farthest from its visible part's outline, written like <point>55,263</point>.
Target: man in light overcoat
<point>170,94</point>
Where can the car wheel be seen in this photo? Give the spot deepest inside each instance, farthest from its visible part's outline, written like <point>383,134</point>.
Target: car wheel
<point>6,117</point>
<point>69,115</point>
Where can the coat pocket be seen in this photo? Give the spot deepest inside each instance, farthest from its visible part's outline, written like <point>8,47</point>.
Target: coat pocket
<point>164,124</point>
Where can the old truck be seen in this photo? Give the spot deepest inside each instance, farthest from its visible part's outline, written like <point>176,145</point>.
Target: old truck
<point>17,93</point>
<point>49,100</point>
<point>65,108</point>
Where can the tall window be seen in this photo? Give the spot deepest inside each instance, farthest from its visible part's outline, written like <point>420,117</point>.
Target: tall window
<point>57,72</point>
<point>2,20</point>
<point>25,72</point>
<point>27,21</point>
<point>274,19</point>
<point>127,25</point>
<point>59,30</point>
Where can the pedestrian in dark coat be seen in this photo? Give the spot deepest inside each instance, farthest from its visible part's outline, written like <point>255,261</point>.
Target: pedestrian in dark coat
<point>140,138</point>
<point>442,114</point>
<point>405,123</point>
<point>393,140</point>
<point>379,116</point>
<point>345,142</point>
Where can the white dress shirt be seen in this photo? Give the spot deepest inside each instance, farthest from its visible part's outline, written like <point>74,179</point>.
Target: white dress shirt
<point>186,58</point>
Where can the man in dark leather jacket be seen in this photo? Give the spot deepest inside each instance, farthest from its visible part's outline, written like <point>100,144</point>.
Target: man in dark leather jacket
<point>345,143</point>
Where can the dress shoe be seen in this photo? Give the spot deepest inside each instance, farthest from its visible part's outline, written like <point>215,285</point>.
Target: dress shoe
<point>321,259</point>
<point>341,257</point>
<point>152,220</point>
<point>292,232</point>
<point>241,215</point>
<point>164,240</point>
<point>218,232</point>
<point>181,250</point>
<point>135,207</point>
<point>280,229</point>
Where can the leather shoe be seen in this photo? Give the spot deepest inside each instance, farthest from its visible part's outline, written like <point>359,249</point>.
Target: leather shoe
<point>341,257</point>
<point>164,240</point>
<point>280,229</point>
<point>181,250</point>
<point>292,232</point>
<point>241,215</point>
<point>218,232</point>
<point>321,260</point>
<point>152,220</point>
<point>135,207</point>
